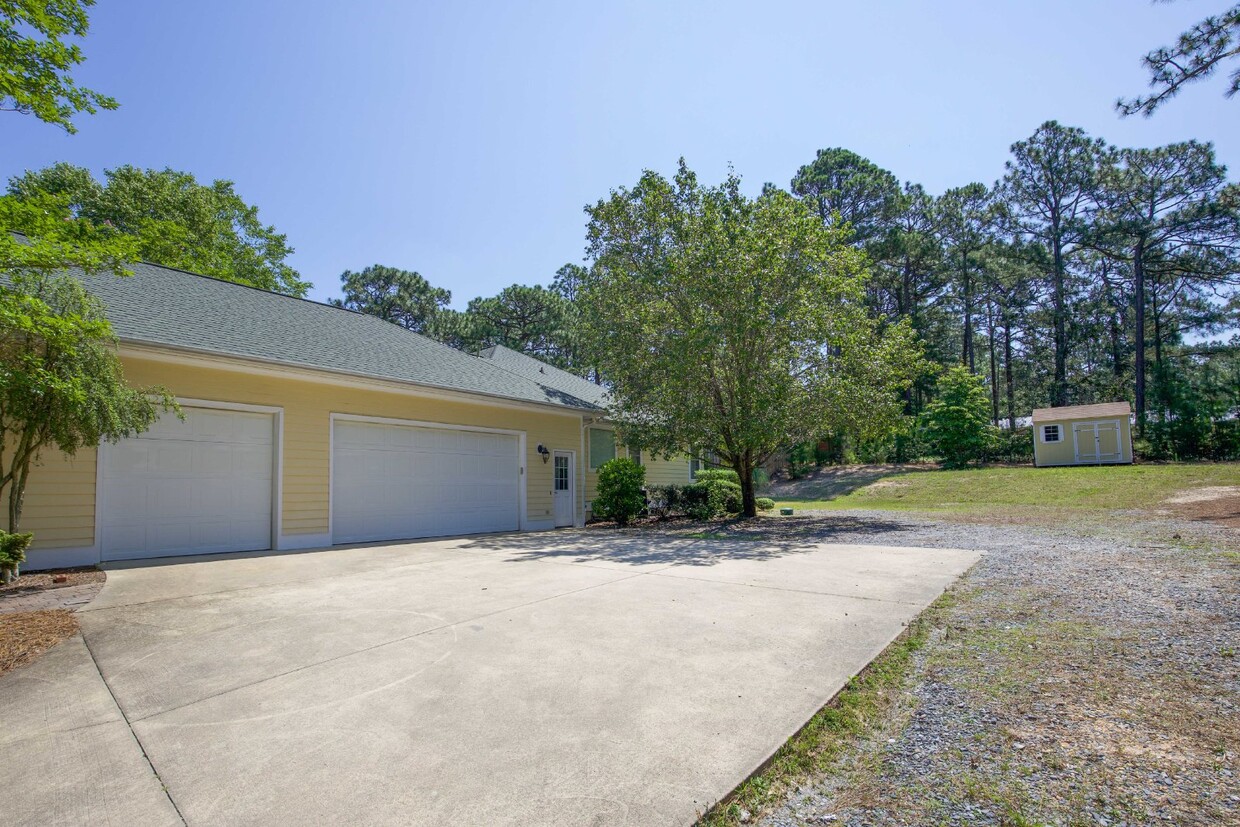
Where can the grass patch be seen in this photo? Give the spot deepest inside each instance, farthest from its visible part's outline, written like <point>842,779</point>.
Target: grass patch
<point>855,712</point>
<point>1027,491</point>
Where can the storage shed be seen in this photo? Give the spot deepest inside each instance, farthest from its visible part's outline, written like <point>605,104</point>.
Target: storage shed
<point>1083,435</point>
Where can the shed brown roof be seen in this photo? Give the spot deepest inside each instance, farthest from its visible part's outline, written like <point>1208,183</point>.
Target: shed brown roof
<point>1102,409</point>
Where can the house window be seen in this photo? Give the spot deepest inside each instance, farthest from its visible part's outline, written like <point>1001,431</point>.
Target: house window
<point>602,447</point>
<point>636,455</point>
<point>1051,433</point>
<point>709,459</point>
<point>561,472</point>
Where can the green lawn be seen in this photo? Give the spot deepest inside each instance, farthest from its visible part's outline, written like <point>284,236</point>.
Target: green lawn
<point>1026,489</point>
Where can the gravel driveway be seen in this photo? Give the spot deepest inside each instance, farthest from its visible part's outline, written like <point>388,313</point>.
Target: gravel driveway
<point>1085,675</point>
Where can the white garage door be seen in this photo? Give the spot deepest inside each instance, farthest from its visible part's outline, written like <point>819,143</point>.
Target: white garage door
<point>198,486</point>
<point>394,482</point>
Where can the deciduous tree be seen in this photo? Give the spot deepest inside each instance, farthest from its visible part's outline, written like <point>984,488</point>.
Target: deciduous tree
<point>36,58</point>
<point>734,325</point>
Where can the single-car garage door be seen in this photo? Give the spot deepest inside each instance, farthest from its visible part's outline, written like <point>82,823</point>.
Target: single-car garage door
<point>198,486</point>
<point>395,482</point>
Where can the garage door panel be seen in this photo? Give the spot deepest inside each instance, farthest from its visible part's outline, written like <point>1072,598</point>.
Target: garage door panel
<point>196,486</point>
<point>398,481</point>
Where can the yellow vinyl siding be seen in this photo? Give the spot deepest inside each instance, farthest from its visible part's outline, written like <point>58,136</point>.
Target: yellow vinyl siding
<point>667,471</point>
<point>60,502</point>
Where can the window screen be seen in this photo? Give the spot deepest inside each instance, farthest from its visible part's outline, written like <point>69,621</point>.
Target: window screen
<point>602,447</point>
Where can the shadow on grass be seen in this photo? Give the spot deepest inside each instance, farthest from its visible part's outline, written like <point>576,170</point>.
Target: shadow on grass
<point>836,481</point>
<point>687,543</point>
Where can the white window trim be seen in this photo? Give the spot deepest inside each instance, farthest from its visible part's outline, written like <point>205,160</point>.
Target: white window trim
<point>1058,432</point>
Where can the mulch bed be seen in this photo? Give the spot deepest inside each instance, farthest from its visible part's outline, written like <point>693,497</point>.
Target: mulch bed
<point>26,635</point>
<point>53,579</point>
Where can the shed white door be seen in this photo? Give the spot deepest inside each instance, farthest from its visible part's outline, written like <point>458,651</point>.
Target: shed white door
<point>394,482</point>
<point>1097,441</point>
<point>198,486</point>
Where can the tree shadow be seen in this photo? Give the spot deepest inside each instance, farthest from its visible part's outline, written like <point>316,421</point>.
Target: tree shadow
<point>687,544</point>
<point>835,481</point>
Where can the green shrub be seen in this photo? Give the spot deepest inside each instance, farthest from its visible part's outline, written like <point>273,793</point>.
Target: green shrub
<point>620,496</point>
<point>765,503</point>
<point>665,500</point>
<point>710,474</point>
<point>12,554</point>
<point>715,496</point>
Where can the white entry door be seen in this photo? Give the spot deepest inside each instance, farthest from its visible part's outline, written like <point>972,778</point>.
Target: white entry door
<point>396,482</point>
<point>195,486</point>
<point>563,489</point>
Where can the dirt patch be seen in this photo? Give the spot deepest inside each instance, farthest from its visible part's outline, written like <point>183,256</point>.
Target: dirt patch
<point>54,579</point>
<point>1216,504</point>
<point>26,635</point>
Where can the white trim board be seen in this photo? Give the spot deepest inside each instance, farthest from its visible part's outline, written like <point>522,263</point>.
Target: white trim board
<point>282,370</point>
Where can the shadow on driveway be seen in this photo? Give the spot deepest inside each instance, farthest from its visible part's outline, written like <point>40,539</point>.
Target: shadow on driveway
<point>685,543</point>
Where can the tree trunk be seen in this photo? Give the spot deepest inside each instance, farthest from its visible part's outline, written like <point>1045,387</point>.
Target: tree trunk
<point>1059,392</point>
<point>966,345</point>
<point>749,499</point>
<point>994,368</point>
<point>1138,283</point>
<point>1007,371</point>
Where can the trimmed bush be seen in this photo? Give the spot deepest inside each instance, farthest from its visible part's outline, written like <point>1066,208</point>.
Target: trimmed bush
<point>715,496</point>
<point>12,554</point>
<point>620,496</point>
<point>765,503</point>
<point>710,474</point>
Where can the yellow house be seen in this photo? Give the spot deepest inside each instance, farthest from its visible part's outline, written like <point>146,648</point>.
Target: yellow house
<point>305,426</point>
<point>1082,435</point>
<point>601,443</point>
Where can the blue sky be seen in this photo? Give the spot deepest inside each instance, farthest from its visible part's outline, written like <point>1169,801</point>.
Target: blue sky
<point>463,139</point>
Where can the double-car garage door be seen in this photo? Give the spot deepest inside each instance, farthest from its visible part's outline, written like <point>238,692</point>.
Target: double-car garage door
<point>392,481</point>
<point>206,484</point>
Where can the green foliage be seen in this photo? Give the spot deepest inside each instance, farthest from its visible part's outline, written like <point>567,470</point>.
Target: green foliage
<point>848,190</point>
<point>397,296</point>
<point>619,497</point>
<point>733,324</point>
<point>716,495</point>
<point>765,504</point>
<point>666,500</point>
<point>712,474</point>
<point>1196,55</point>
<point>956,424</point>
<point>174,221</point>
<point>61,384</point>
<point>36,56</point>
<point>12,554</point>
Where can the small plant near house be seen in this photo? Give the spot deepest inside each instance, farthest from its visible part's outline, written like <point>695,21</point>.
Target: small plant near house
<point>716,493</point>
<point>12,554</point>
<point>765,504</point>
<point>620,497</point>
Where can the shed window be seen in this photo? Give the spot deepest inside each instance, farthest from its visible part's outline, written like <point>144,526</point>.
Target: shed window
<point>1051,433</point>
<point>602,447</point>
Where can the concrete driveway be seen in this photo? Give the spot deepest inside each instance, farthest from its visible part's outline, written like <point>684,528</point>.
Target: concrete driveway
<point>561,678</point>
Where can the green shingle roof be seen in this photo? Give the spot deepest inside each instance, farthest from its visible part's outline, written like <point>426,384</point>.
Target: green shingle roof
<point>173,308</point>
<point>545,374</point>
